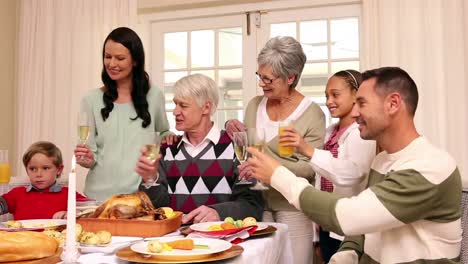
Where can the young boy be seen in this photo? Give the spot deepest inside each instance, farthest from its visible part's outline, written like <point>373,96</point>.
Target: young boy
<point>43,198</point>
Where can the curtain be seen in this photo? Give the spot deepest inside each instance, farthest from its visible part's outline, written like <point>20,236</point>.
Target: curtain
<point>59,59</point>
<point>428,39</point>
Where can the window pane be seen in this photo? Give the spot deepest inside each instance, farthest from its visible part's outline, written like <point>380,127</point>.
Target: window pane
<point>169,79</point>
<point>172,77</point>
<point>221,116</point>
<point>345,38</point>
<point>314,39</point>
<point>175,50</point>
<point>315,69</point>
<point>202,48</point>
<point>230,46</point>
<point>344,65</point>
<point>230,88</point>
<point>283,29</point>
<point>171,120</point>
<point>313,87</point>
<point>209,73</point>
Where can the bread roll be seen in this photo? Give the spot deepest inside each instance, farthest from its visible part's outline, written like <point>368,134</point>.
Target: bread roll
<point>25,245</point>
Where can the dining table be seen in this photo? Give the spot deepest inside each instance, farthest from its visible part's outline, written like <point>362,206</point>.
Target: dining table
<point>270,248</point>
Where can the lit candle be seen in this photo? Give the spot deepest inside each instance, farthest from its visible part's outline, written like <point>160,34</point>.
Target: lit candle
<point>70,254</point>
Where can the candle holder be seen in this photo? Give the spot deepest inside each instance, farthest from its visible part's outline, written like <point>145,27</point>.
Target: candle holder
<point>70,254</point>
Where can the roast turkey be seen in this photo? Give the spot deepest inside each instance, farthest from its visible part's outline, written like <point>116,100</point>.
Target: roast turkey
<point>128,206</point>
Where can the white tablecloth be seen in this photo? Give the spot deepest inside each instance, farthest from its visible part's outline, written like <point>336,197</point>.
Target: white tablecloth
<point>271,249</point>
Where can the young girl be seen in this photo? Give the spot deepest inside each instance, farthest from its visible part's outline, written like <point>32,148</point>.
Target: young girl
<point>43,198</point>
<point>343,164</point>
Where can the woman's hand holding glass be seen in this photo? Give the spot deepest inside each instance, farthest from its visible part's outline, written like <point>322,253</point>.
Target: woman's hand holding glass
<point>234,125</point>
<point>84,128</point>
<point>84,156</point>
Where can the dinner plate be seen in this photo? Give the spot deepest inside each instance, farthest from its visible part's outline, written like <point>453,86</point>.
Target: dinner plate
<point>116,243</point>
<point>215,246</point>
<point>203,227</point>
<point>130,255</point>
<point>34,224</point>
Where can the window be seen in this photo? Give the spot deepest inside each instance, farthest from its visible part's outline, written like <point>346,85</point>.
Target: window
<point>215,52</point>
<point>330,41</point>
<point>220,47</point>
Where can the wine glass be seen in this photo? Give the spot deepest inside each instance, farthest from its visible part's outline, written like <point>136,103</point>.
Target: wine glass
<point>257,138</point>
<point>83,128</point>
<point>240,148</point>
<point>151,153</point>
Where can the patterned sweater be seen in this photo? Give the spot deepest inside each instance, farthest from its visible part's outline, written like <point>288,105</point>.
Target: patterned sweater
<point>208,179</point>
<point>409,214</point>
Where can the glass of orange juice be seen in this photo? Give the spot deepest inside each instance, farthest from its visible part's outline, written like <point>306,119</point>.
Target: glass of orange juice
<point>4,167</point>
<point>284,151</point>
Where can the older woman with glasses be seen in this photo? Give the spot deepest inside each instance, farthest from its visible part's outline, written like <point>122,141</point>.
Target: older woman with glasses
<point>280,64</point>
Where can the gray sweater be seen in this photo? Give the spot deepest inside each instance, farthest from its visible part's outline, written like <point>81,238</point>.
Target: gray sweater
<point>311,124</point>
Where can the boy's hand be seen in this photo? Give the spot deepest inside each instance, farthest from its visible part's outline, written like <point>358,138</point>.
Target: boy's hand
<point>84,156</point>
<point>60,215</point>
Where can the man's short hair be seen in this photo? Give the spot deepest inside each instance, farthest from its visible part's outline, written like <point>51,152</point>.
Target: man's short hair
<point>395,79</point>
<point>199,87</point>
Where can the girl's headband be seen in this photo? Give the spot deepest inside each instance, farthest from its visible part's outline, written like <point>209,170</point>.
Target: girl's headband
<point>354,78</point>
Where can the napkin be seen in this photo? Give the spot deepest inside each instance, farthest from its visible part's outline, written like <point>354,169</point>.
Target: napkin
<point>234,236</point>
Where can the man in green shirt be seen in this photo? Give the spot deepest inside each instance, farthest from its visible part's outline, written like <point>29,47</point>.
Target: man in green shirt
<point>411,211</point>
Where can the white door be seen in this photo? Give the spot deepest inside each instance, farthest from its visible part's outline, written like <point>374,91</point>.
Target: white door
<point>214,46</point>
<point>220,47</point>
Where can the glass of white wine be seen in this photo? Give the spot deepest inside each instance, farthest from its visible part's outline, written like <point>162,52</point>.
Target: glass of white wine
<point>240,147</point>
<point>152,152</point>
<point>257,139</point>
<point>84,128</point>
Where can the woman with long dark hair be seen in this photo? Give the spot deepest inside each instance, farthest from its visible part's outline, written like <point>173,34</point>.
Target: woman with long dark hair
<point>122,113</point>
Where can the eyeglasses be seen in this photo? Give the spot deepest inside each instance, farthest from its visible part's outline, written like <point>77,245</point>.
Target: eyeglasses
<point>265,80</point>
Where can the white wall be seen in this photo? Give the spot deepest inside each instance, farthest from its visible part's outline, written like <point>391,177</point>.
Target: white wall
<point>153,6</point>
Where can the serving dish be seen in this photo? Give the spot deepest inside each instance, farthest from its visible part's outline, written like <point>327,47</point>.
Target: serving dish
<point>131,227</point>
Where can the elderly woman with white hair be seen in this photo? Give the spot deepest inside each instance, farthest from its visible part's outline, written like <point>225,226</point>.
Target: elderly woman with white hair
<point>280,64</point>
<point>201,169</point>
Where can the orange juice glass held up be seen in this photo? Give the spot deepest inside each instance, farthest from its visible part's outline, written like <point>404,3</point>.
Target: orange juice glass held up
<point>4,167</point>
<point>282,150</point>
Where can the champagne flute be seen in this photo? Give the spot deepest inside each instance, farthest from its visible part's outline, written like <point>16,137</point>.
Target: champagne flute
<point>83,128</point>
<point>257,138</point>
<point>240,148</point>
<point>152,152</point>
